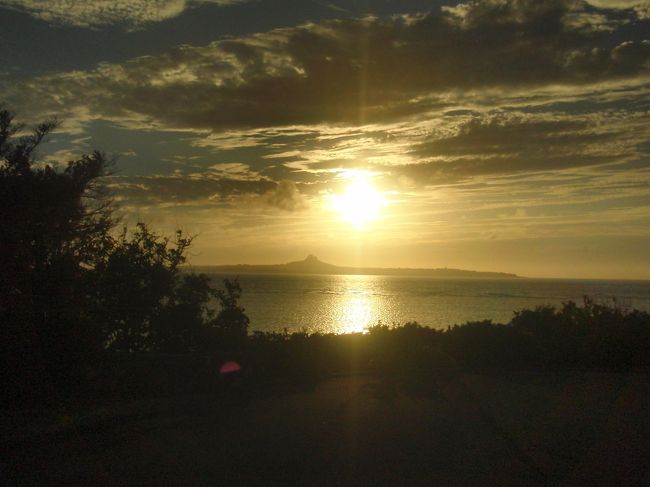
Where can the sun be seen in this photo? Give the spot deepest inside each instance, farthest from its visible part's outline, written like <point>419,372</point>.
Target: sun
<point>360,204</point>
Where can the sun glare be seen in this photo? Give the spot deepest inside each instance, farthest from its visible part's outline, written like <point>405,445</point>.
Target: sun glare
<point>360,204</point>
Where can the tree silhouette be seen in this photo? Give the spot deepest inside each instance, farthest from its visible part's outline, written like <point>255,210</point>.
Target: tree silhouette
<point>130,285</point>
<point>71,288</point>
<point>53,225</point>
<point>231,323</point>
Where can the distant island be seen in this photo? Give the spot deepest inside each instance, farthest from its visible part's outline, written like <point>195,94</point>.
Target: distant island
<point>311,265</point>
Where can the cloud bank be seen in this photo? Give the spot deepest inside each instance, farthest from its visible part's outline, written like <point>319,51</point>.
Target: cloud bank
<point>358,71</point>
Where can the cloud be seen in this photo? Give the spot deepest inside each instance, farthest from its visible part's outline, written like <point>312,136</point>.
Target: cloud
<point>618,3</point>
<point>177,190</point>
<point>515,142</point>
<point>233,170</point>
<point>354,71</point>
<point>482,90</point>
<point>131,14</point>
<point>286,196</point>
<point>203,190</point>
<point>507,141</point>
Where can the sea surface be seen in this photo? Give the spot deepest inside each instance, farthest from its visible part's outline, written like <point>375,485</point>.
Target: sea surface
<point>347,303</point>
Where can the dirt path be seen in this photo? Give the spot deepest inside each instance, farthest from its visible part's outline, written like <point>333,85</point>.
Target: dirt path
<point>516,429</point>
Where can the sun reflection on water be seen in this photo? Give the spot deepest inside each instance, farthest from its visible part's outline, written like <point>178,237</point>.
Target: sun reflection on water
<point>355,313</point>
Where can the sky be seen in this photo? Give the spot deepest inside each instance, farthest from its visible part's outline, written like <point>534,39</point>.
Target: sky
<point>493,135</point>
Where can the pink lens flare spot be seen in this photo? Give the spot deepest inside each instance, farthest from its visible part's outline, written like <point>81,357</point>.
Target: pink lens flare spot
<point>229,368</point>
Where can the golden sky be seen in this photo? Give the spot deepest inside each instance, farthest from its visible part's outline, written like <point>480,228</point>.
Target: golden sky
<point>497,135</point>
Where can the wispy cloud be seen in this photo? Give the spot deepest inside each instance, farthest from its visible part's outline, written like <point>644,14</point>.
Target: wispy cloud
<point>625,4</point>
<point>130,14</point>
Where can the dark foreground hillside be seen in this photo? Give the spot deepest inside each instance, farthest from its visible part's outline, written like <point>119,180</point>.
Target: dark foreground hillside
<point>498,428</point>
<point>555,397</point>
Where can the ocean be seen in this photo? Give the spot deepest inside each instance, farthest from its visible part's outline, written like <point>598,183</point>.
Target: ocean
<point>348,303</point>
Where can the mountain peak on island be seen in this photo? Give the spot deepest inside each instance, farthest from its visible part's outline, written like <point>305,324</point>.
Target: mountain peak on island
<point>311,264</point>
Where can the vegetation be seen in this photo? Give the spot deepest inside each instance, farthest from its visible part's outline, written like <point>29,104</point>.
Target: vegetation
<point>592,336</point>
<point>84,305</point>
<point>72,289</point>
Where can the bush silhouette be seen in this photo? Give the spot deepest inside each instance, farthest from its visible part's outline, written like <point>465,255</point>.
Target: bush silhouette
<point>591,335</point>
<point>70,288</point>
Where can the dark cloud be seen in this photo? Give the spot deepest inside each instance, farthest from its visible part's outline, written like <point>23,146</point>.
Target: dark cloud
<point>514,136</point>
<point>446,172</point>
<point>43,49</point>
<point>157,190</point>
<point>355,71</point>
<point>507,144</point>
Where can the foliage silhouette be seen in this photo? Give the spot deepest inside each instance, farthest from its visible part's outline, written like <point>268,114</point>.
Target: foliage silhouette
<point>231,323</point>
<point>145,302</point>
<point>71,289</point>
<point>593,336</point>
<point>53,225</point>
<point>133,285</point>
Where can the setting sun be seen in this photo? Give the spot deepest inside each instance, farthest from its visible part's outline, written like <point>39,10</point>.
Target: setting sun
<point>360,204</point>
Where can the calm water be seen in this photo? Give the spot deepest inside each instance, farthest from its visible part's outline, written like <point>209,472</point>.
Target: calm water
<point>341,304</point>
